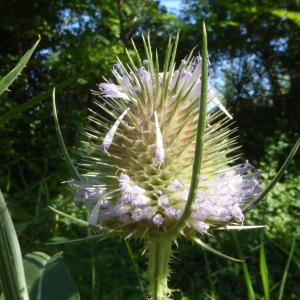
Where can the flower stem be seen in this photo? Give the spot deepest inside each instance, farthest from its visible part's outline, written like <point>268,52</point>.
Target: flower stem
<point>159,254</point>
<point>12,276</point>
<point>175,230</point>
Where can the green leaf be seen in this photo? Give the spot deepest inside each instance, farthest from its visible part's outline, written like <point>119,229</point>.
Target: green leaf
<point>71,218</point>
<point>48,278</point>
<point>264,271</point>
<point>247,277</point>
<point>212,250</point>
<point>291,15</point>
<point>286,269</point>
<point>271,185</point>
<point>251,294</point>
<point>7,80</point>
<point>61,141</point>
<point>14,112</point>
<point>12,278</point>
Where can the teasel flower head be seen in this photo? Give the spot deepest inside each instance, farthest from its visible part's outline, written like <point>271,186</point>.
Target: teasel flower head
<point>139,153</point>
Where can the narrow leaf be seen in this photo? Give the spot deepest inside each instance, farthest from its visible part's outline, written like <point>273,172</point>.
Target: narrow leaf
<point>136,267</point>
<point>264,271</point>
<point>251,294</point>
<point>61,141</point>
<point>247,277</point>
<point>14,112</point>
<point>12,277</point>
<point>210,249</point>
<point>71,218</point>
<point>199,142</point>
<point>275,179</point>
<point>7,80</point>
<point>286,269</point>
<point>48,278</point>
<point>76,241</point>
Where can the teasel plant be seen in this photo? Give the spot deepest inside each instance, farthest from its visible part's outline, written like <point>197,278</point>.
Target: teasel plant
<point>160,159</point>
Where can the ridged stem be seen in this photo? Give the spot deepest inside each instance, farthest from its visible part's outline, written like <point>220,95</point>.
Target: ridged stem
<point>174,231</point>
<point>159,254</point>
<point>12,277</point>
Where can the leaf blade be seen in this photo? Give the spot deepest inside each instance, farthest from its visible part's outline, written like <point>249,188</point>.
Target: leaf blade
<point>48,278</point>
<point>61,140</point>
<point>264,273</point>
<point>9,78</point>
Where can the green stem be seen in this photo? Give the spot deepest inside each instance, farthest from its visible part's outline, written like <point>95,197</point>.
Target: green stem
<point>159,254</point>
<point>12,277</point>
<point>174,231</point>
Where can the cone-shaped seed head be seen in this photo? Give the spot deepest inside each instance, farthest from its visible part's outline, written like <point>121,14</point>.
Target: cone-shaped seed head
<point>139,151</point>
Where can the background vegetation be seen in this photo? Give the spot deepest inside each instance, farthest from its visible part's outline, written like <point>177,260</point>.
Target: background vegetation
<point>255,56</point>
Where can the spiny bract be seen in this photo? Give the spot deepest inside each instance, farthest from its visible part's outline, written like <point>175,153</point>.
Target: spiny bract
<point>139,151</point>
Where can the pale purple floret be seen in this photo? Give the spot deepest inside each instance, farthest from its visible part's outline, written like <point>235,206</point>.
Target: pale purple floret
<point>158,219</point>
<point>199,226</point>
<point>188,78</point>
<point>172,212</point>
<point>85,193</point>
<point>158,192</point>
<point>176,185</point>
<point>112,90</point>
<point>146,79</point>
<point>237,213</point>
<point>226,193</point>
<point>121,209</point>
<point>107,141</point>
<point>132,193</point>
<point>163,201</point>
<point>143,213</point>
<point>220,201</point>
<point>160,155</point>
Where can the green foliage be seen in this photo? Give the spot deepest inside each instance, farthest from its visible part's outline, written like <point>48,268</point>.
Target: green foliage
<point>61,141</point>
<point>48,278</point>
<point>8,79</point>
<point>12,278</point>
<point>254,52</point>
<point>264,271</point>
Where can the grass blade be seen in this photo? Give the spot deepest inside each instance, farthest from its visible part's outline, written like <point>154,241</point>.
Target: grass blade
<point>214,251</point>
<point>14,112</point>
<point>12,276</point>
<point>199,143</point>
<point>251,294</point>
<point>247,277</point>
<point>136,268</point>
<point>71,218</point>
<point>76,241</point>
<point>61,141</point>
<point>8,79</point>
<point>209,276</point>
<point>275,179</point>
<point>264,271</point>
<point>286,269</point>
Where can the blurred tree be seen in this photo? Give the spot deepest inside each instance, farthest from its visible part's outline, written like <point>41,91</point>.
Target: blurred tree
<point>256,46</point>
<point>255,53</point>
